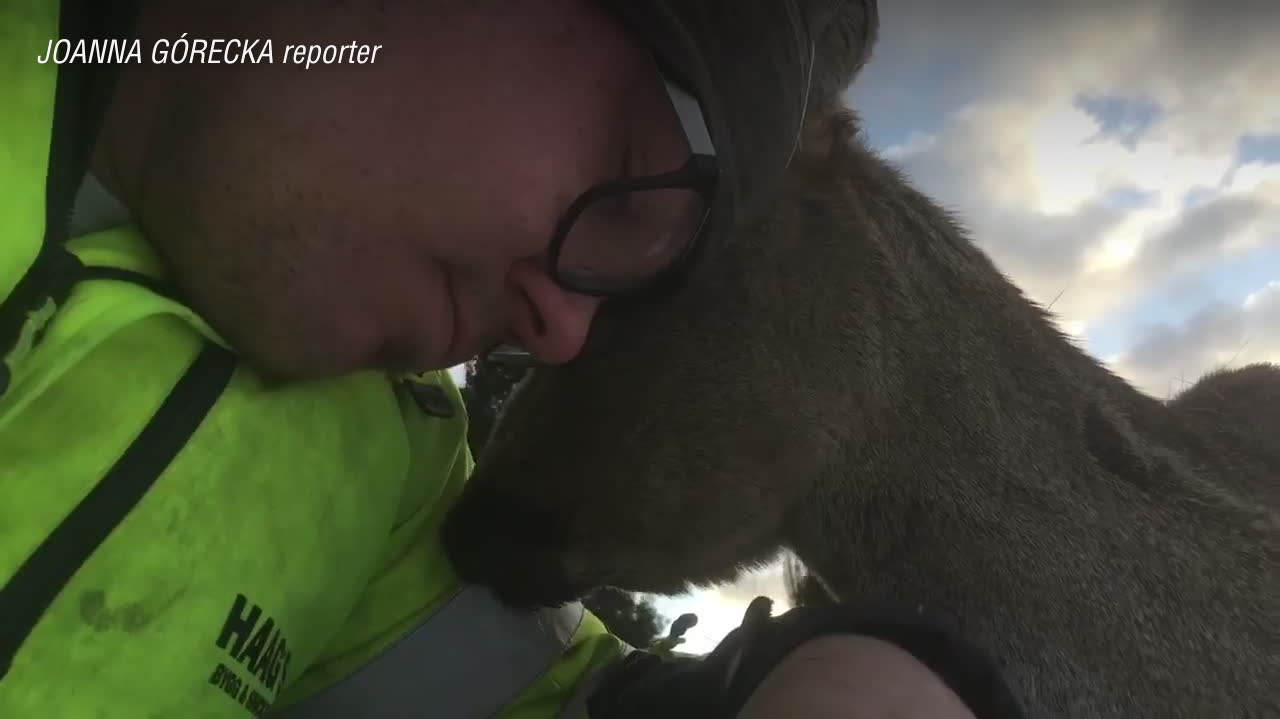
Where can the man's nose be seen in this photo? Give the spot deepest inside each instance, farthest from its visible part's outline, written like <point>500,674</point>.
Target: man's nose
<point>549,322</point>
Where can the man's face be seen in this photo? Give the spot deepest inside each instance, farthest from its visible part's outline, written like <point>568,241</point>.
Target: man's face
<point>393,215</point>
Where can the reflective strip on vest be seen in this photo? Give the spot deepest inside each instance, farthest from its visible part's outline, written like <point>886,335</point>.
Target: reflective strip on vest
<point>467,660</point>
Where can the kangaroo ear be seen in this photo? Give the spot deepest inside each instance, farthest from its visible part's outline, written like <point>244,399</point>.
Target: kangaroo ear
<point>844,46</point>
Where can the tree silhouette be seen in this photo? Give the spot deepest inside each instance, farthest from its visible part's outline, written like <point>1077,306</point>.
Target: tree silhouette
<point>630,617</point>
<point>487,385</point>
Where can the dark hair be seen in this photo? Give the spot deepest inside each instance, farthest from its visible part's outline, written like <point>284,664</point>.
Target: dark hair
<point>754,66</point>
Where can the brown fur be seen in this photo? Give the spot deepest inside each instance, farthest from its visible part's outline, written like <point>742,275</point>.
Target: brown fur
<point>857,382</point>
<point>804,588</point>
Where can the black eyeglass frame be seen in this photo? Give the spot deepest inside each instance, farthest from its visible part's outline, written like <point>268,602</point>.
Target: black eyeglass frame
<point>700,173</point>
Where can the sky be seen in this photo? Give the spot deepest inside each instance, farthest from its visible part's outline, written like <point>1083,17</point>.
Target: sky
<point>1119,161</point>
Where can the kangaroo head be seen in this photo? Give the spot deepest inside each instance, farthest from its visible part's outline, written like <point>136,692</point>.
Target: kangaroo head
<point>672,449</point>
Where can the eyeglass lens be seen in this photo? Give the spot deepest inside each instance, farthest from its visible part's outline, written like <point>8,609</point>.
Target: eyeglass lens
<point>626,238</point>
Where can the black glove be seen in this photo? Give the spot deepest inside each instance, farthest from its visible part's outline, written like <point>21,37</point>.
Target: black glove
<point>719,684</point>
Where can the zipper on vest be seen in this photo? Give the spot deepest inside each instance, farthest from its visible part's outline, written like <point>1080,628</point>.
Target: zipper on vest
<point>31,590</point>
<point>81,96</point>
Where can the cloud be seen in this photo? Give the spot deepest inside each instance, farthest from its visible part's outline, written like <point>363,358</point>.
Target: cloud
<point>1201,62</point>
<point>1203,233</point>
<point>1165,358</point>
<point>1094,149</point>
<point>766,581</point>
<point>1263,149</point>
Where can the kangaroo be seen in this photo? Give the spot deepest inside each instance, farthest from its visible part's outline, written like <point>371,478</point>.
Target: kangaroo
<point>855,381</point>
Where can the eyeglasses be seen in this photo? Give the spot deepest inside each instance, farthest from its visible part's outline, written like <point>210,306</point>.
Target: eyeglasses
<point>622,237</point>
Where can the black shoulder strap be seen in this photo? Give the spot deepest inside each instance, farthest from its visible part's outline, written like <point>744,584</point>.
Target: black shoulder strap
<point>83,92</point>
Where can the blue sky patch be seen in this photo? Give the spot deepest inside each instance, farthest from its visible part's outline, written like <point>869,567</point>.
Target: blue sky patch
<point>1120,118</point>
<point>1262,149</point>
<point>1128,197</point>
<point>891,118</point>
<point>898,97</point>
